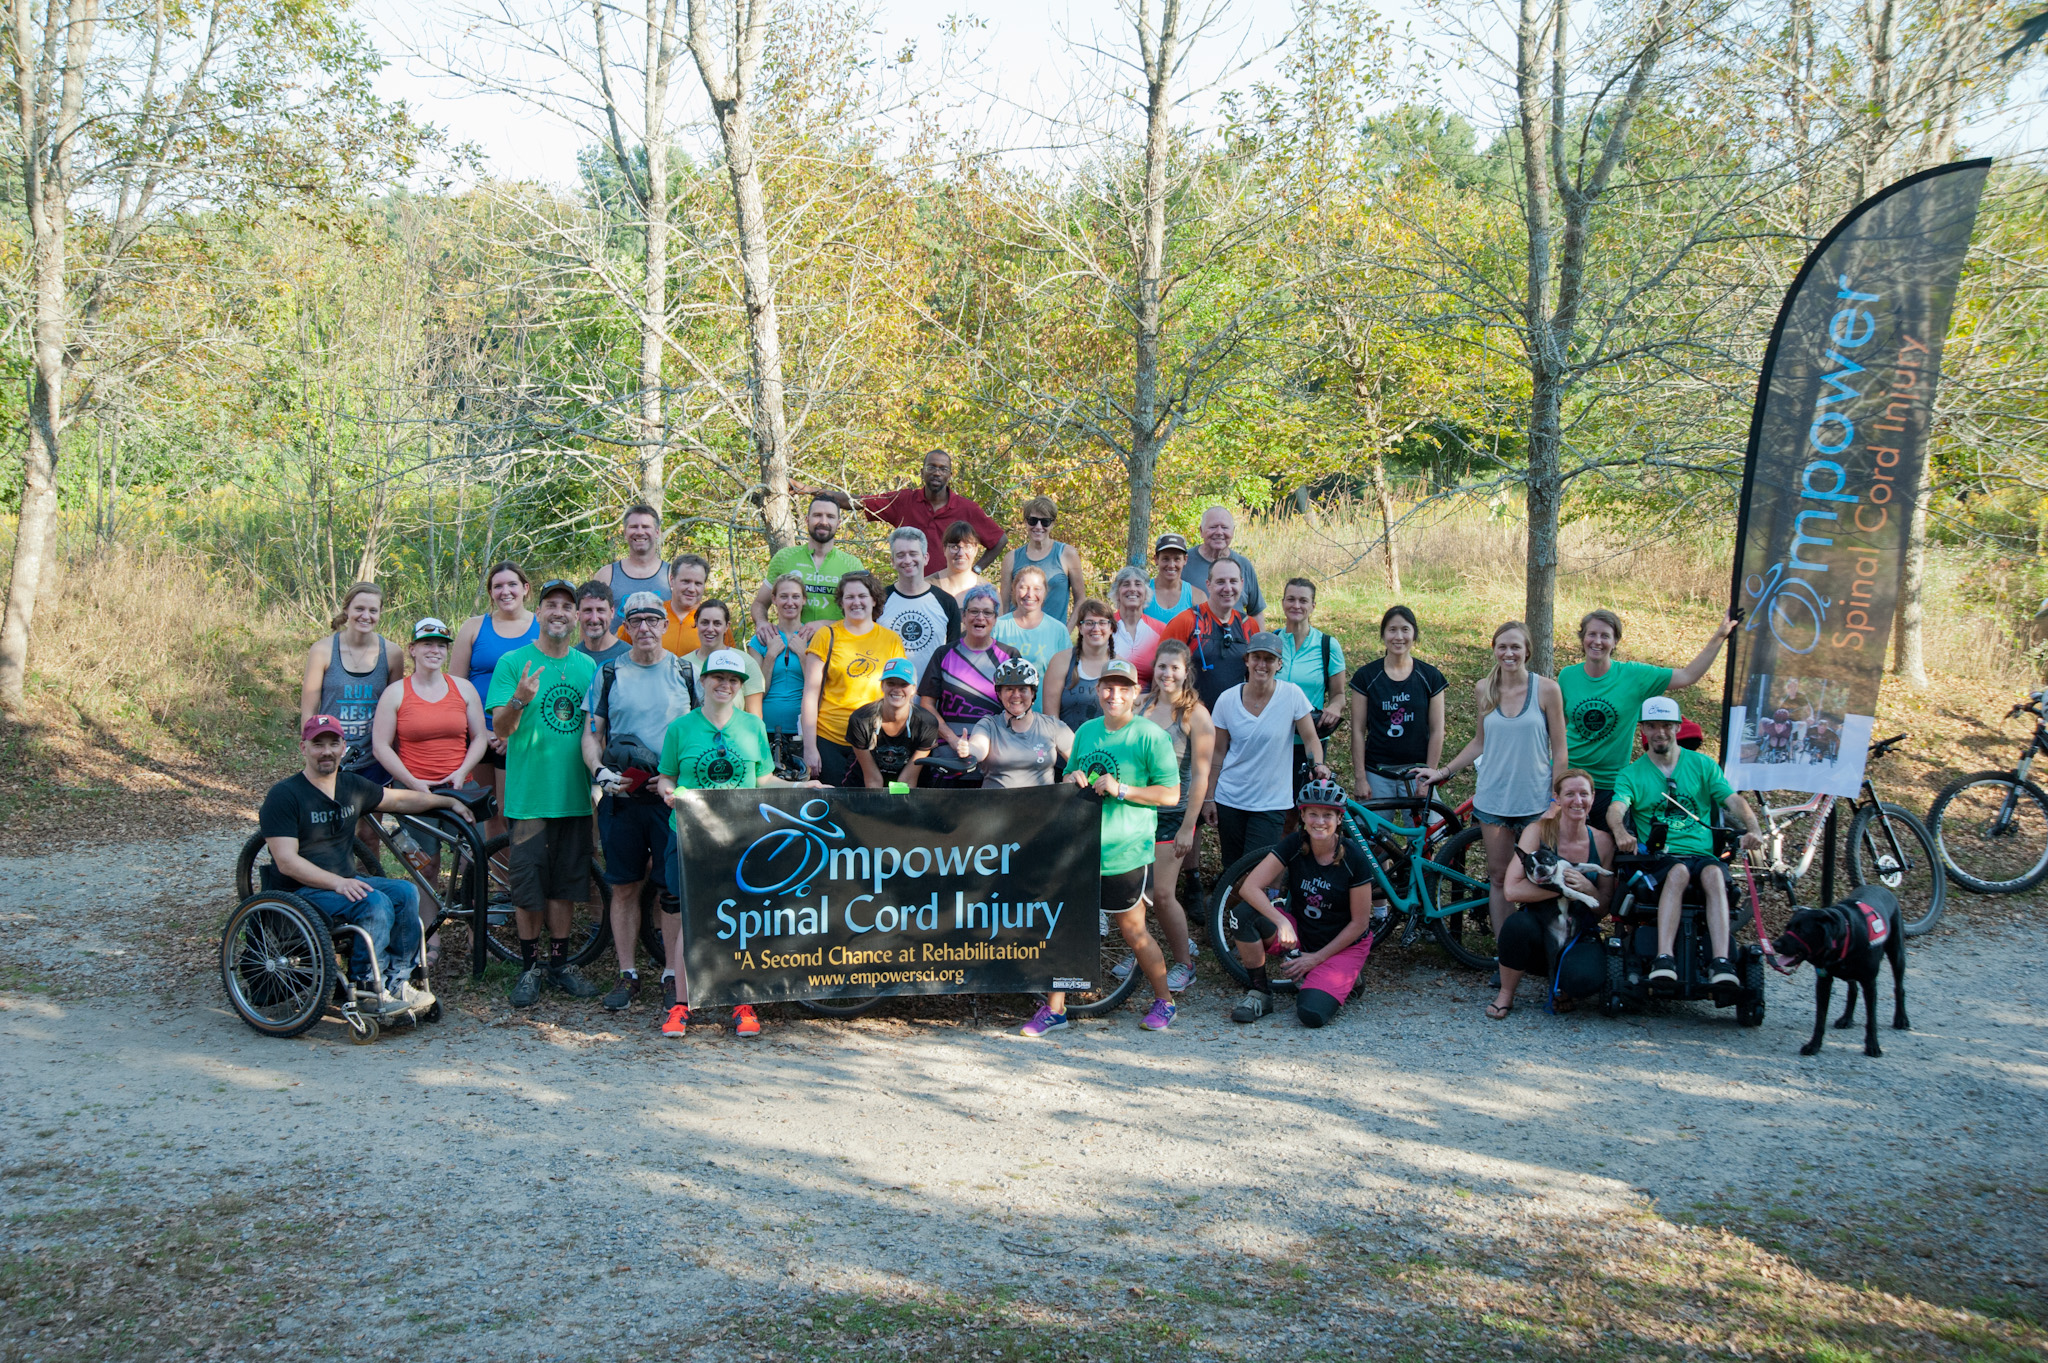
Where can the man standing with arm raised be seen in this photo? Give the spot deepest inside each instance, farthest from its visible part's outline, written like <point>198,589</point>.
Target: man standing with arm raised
<point>932,508</point>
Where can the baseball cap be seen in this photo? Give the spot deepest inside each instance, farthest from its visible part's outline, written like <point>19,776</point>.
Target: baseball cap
<point>322,724</point>
<point>1660,708</point>
<point>430,628</point>
<point>727,661</point>
<point>557,584</point>
<point>899,669</point>
<point>1265,641</point>
<point>645,603</point>
<point>1119,669</point>
<point>1170,541</point>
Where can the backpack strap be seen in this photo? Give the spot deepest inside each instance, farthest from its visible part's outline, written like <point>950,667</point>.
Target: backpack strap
<point>686,672</point>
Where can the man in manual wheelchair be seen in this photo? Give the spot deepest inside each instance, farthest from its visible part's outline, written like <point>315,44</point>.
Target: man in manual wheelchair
<point>1662,818</point>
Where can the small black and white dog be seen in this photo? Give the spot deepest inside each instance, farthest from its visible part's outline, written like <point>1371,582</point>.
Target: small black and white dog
<point>1849,938</point>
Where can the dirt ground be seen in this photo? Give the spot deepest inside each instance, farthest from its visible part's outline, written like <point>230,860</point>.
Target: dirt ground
<point>1413,1182</point>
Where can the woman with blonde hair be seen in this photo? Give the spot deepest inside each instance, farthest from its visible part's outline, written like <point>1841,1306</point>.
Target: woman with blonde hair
<point>1544,917</point>
<point>1175,706</point>
<point>347,673</point>
<point>1520,732</point>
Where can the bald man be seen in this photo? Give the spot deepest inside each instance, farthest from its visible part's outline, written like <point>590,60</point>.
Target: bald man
<point>1219,528</point>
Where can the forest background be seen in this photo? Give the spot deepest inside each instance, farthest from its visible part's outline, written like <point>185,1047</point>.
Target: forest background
<point>262,320</point>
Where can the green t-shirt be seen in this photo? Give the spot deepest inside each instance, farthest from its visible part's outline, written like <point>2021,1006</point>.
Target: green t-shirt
<point>1139,754</point>
<point>544,773</point>
<point>1697,783</point>
<point>1600,716</point>
<point>820,584</point>
<point>698,755</point>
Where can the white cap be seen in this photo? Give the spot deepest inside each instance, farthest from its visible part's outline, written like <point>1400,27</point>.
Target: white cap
<point>1660,708</point>
<point>725,660</point>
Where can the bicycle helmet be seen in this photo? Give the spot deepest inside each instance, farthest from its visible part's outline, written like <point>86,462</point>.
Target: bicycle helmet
<point>1016,672</point>
<point>1323,794</point>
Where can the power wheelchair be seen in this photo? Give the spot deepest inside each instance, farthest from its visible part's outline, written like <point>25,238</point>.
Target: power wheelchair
<point>1632,937</point>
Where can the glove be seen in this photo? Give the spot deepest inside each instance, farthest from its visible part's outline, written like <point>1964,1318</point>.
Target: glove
<point>609,781</point>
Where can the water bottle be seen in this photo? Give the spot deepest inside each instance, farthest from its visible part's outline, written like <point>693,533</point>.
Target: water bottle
<point>402,842</point>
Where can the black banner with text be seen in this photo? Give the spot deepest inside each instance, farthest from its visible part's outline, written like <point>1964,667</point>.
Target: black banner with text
<point>800,894</point>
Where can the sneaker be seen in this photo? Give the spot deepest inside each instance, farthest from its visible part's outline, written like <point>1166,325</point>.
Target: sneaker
<point>1102,922</point>
<point>1179,977</point>
<point>677,1023</point>
<point>744,1022</point>
<point>570,981</point>
<point>388,1005</point>
<point>1257,1003</point>
<point>1161,1016</point>
<point>1664,975</point>
<point>527,990</point>
<point>416,996</point>
<point>1122,969</point>
<point>1722,973</point>
<point>624,994</point>
<point>1043,1021</point>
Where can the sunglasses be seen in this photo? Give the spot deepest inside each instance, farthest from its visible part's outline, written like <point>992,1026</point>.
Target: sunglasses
<point>1038,520</point>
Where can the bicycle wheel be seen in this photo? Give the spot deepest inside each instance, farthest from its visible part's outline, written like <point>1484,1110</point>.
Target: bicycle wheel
<point>1227,908</point>
<point>1467,936</point>
<point>840,1008</point>
<point>1896,852</point>
<point>590,931</point>
<point>1991,829</point>
<point>1116,972</point>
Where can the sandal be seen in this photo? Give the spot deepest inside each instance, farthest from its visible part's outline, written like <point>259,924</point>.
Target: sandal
<point>1496,1011</point>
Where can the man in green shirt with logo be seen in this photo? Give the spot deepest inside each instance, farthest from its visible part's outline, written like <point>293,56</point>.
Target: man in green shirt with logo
<point>536,704</point>
<point>820,563</point>
<point>1128,761</point>
<point>1681,789</point>
<point>1600,694</point>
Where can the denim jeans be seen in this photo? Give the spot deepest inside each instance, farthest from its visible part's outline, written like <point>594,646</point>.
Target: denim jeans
<point>390,913</point>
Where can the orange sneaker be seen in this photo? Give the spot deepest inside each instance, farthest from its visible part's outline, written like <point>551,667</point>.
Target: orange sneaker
<point>744,1022</point>
<point>677,1023</point>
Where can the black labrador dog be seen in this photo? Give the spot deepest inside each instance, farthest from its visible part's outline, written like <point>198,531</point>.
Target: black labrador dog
<point>1849,938</point>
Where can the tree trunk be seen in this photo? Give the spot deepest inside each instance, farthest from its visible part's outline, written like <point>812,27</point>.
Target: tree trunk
<point>1150,428</point>
<point>1908,660</point>
<point>1534,34</point>
<point>660,48</point>
<point>1376,473</point>
<point>1545,503</point>
<point>39,459</point>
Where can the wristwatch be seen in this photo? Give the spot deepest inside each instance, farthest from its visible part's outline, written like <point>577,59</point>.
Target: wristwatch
<point>1123,792</point>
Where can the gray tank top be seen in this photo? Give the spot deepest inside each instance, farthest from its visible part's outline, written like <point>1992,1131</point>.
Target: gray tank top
<point>1184,754</point>
<point>1054,566</point>
<point>1514,780</point>
<point>351,697</point>
<point>1078,701</point>
<point>624,584</point>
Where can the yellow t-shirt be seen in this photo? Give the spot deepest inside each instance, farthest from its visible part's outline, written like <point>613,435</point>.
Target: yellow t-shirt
<point>853,673</point>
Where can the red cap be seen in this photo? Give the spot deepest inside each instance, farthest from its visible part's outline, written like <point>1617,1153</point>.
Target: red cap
<point>321,724</point>
<point>1690,735</point>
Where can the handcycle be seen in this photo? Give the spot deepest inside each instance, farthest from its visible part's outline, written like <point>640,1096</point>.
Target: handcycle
<point>1415,883</point>
<point>1888,845</point>
<point>1991,827</point>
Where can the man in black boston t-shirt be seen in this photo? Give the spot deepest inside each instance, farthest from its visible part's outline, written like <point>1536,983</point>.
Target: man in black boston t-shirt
<point>308,821</point>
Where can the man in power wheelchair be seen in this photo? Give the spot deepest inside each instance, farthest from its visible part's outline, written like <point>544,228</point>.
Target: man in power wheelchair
<point>308,821</point>
<point>1662,821</point>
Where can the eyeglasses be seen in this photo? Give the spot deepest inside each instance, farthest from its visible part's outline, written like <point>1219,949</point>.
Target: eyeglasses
<point>1038,520</point>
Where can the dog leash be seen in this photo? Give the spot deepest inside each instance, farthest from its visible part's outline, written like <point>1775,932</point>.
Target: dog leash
<point>1756,909</point>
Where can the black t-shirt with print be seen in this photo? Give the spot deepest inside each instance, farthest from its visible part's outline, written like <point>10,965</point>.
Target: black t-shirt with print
<point>1397,712</point>
<point>325,828</point>
<point>892,752</point>
<point>1318,896</point>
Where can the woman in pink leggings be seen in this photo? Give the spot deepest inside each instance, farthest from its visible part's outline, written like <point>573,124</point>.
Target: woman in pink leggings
<point>1319,938</point>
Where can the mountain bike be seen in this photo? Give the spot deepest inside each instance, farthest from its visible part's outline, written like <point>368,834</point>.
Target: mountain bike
<point>1991,827</point>
<point>1416,884</point>
<point>1888,845</point>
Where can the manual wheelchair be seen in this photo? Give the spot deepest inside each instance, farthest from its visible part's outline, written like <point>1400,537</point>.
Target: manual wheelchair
<point>1632,940</point>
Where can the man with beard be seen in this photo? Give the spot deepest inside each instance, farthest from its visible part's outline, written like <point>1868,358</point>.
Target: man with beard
<point>932,508</point>
<point>641,570</point>
<point>594,607</point>
<point>308,821</point>
<point>820,563</point>
<point>536,703</point>
<point>1679,788</point>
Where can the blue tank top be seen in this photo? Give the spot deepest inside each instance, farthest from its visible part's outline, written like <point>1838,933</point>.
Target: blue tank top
<point>488,648</point>
<point>1053,565</point>
<point>1155,611</point>
<point>782,703</point>
<point>624,584</point>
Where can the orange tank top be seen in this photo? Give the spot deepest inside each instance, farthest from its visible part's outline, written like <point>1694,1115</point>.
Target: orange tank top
<point>431,737</point>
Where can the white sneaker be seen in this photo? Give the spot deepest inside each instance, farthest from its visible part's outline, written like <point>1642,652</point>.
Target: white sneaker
<point>1179,977</point>
<point>1103,916</point>
<point>1122,969</point>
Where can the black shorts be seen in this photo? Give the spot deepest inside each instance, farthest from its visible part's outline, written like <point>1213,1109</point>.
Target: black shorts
<point>491,760</point>
<point>1170,821</point>
<point>638,841</point>
<point>550,860</point>
<point>1695,865</point>
<point>1127,890</point>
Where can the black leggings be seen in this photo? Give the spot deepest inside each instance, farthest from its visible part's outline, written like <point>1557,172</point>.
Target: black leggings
<point>1314,1008</point>
<point>1524,942</point>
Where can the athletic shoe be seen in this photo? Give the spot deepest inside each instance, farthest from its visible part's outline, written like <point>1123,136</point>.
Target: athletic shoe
<point>1043,1021</point>
<point>1257,1003</point>
<point>1722,972</point>
<point>570,981</point>
<point>389,1005</point>
<point>624,994</point>
<point>744,1022</point>
<point>1122,969</point>
<point>1664,975</point>
<point>1161,1016</point>
<point>527,990</point>
<point>416,996</point>
<point>677,1023</point>
<point>1102,921</point>
<point>1179,977</point>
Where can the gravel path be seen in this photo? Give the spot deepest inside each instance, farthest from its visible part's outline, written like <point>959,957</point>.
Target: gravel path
<point>565,1180</point>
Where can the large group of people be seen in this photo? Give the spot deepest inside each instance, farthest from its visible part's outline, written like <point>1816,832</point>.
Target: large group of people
<point>587,708</point>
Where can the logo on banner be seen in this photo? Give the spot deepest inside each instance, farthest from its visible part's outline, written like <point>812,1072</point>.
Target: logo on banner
<point>789,857</point>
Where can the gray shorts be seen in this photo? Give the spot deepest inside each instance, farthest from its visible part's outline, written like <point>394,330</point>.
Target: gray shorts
<point>551,859</point>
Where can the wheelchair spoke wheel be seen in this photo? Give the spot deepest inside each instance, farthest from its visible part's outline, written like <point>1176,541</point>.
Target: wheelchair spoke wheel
<point>1992,832</point>
<point>1468,934</point>
<point>277,963</point>
<point>1888,846</point>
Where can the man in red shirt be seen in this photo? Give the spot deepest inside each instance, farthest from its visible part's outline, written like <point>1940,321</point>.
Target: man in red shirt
<point>932,508</point>
<point>1216,633</point>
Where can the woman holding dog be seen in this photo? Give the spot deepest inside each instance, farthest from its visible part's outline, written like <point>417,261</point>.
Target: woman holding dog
<point>1557,846</point>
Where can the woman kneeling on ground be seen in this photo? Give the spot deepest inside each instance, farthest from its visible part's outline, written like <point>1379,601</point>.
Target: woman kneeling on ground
<point>1531,932</point>
<point>1321,934</point>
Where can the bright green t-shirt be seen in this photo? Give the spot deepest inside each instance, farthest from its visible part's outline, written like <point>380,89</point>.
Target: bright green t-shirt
<point>821,584</point>
<point>544,773</point>
<point>1139,754</point>
<point>1697,782</point>
<point>1600,716</point>
<point>698,755</point>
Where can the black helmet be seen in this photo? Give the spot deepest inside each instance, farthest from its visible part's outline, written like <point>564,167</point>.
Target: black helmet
<point>1323,794</point>
<point>1016,672</point>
